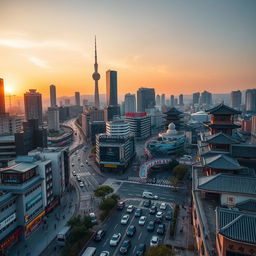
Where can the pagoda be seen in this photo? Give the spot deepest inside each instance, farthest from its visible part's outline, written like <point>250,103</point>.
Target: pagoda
<point>173,115</point>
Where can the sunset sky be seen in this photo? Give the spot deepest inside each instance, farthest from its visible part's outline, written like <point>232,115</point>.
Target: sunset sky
<point>174,46</point>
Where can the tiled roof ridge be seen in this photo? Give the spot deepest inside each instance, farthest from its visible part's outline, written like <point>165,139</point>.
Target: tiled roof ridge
<point>232,222</point>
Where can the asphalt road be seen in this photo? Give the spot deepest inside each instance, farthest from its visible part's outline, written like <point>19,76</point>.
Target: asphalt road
<point>135,190</point>
<point>113,225</point>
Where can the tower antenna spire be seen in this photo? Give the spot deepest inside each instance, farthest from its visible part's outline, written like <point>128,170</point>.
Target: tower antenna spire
<point>96,77</point>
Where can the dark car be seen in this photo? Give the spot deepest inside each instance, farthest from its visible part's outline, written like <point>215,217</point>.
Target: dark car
<point>151,226</point>
<point>131,231</point>
<point>138,212</point>
<point>158,220</point>
<point>141,250</point>
<point>153,210</point>
<point>168,215</point>
<point>120,205</point>
<point>147,203</point>
<point>99,235</point>
<point>125,246</point>
<point>161,229</point>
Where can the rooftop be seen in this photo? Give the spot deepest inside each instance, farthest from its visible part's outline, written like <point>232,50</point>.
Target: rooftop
<point>173,111</point>
<point>221,161</point>
<point>20,167</point>
<point>224,126</point>
<point>236,225</point>
<point>222,109</point>
<point>243,150</point>
<point>220,138</point>
<point>228,183</point>
<point>248,205</point>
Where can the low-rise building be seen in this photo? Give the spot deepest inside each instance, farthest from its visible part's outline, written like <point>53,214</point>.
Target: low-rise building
<point>7,150</point>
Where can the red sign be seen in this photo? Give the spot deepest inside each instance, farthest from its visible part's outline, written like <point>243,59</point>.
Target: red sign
<point>135,114</point>
<point>11,238</point>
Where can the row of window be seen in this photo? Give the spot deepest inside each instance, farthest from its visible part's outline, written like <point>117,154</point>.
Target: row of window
<point>7,226</point>
<point>32,190</point>
<point>32,205</point>
<point>7,206</point>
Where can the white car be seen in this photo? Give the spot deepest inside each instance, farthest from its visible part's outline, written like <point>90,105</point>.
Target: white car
<point>93,217</point>
<point>125,219</point>
<point>163,206</point>
<point>115,239</point>
<point>154,241</point>
<point>149,195</point>
<point>81,184</point>
<point>74,173</point>
<point>130,208</point>
<point>142,220</point>
<point>104,253</point>
<point>186,157</point>
<point>159,214</point>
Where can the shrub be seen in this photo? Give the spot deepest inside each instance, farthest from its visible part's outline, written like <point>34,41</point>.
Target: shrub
<point>173,164</point>
<point>103,190</point>
<point>180,171</point>
<point>107,204</point>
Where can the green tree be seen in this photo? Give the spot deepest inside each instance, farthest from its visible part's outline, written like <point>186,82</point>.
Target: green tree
<point>174,182</point>
<point>87,223</point>
<point>115,197</point>
<point>103,190</point>
<point>161,250</point>
<point>75,221</point>
<point>180,171</point>
<point>173,164</point>
<point>107,204</point>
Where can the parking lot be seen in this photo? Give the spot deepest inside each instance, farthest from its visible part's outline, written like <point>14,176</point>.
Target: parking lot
<point>142,235</point>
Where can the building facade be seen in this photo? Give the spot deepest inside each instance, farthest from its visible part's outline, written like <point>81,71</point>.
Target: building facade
<point>129,103</point>
<point>111,87</point>
<point>236,99</point>
<point>145,99</point>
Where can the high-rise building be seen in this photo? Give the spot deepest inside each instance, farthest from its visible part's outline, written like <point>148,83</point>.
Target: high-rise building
<point>196,98</point>
<point>67,102</point>
<point>117,128</point>
<point>77,98</point>
<point>2,100</point>
<point>129,103</point>
<point>235,99</point>
<point>158,100</point>
<point>33,105</point>
<point>172,102</point>
<point>111,112</point>
<point>53,118</point>
<point>250,100</point>
<point>206,98</point>
<point>96,78</point>
<point>145,99</point>
<point>111,87</point>
<point>53,95</point>
<point>163,100</point>
<point>181,103</point>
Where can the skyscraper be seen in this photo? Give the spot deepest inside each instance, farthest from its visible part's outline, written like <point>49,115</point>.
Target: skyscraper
<point>96,78</point>
<point>77,98</point>
<point>172,100</point>
<point>250,100</point>
<point>2,100</point>
<point>145,99</point>
<point>235,99</point>
<point>206,98</point>
<point>181,103</point>
<point>196,98</point>
<point>111,87</point>
<point>158,101</point>
<point>53,95</point>
<point>129,103</point>
<point>163,100</point>
<point>33,105</point>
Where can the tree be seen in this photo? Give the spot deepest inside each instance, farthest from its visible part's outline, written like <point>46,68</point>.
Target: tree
<point>75,221</point>
<point>161,250</point>
<point>172,164</point>
<point>174,182</point>
<point>103,190</point>
<point>87,223</point>
<point>78,232</point>
<point>107,204</point>
<point>180,171</point>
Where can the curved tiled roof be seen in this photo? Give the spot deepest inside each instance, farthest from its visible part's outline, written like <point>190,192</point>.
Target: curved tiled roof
<point>220,138</point>
<point>173,111</point>
<point>248,205</point>
<point>223,109</point>
<point>236,225</point>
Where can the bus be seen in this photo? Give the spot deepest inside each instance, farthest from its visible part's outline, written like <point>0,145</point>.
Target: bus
<point>63,235</point>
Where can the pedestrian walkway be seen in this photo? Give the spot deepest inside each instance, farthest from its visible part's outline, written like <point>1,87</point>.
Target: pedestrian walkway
<point>47,231</point>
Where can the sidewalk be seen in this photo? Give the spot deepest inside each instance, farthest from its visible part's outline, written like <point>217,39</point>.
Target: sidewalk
<point>43,236</point>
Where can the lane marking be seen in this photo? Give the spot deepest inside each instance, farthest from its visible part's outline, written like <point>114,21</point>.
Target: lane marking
<point>115,226</point>
<point>133,252</point>
<point>139,235</point>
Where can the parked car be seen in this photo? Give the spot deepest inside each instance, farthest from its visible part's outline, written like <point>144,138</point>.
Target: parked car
<point>138,212</point>
<point>151,226</point>
<point>154,241</point>
<point>142,220</point>
<point>93,217</point>
<point>120,205</point>
<point>130,208</point>
<point>104,253</point>
<point>163,206</point>
<point>168,215</point>
<point>125,219</point>
<point>125,246</point>
<point>141,250</point>
<point>153,210</point>
<point>147,203</point>
<point>99,235</point>
<point>115,239</point>
<point>131,231</point>
<point>161,229</point>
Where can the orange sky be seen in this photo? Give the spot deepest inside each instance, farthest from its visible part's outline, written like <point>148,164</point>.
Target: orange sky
<point>173,46</point>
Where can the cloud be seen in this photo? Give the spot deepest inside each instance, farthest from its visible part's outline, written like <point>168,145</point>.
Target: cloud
<point>37,61</point>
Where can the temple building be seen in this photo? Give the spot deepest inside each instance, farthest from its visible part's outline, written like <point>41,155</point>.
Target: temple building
<point>173,115</point>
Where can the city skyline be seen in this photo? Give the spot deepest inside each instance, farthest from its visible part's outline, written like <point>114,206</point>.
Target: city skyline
<point>187,47</point>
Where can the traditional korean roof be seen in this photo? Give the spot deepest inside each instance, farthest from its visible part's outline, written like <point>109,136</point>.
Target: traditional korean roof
<point>173,111</point>
<point>244,150</point>
<point>248,205</point>
<point>236,225</point>
<point>220,138</point>
<point>224,126</point>
<point>228,183</point>
<point>222,109</point>
<point>222,162</point>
